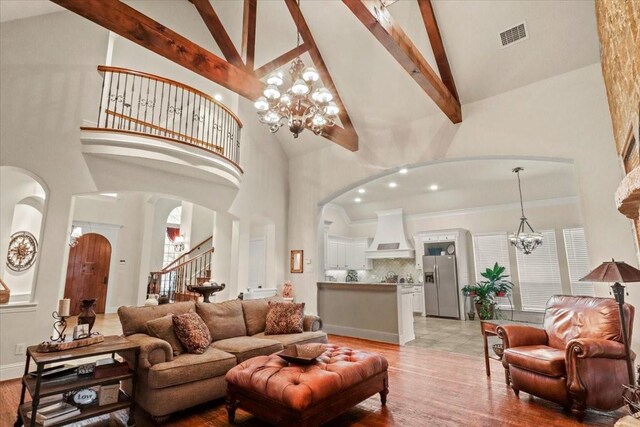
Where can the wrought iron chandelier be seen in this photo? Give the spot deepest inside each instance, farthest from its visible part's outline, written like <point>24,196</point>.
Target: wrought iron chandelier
<point>524,240</point>
<point>301,105</point>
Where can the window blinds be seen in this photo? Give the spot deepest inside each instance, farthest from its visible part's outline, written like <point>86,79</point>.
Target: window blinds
<point>539,274</point>
<point>487,250</point>
<point>577,260</point>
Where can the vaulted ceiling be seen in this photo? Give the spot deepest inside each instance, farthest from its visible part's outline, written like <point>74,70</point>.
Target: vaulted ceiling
<point>376,90</point>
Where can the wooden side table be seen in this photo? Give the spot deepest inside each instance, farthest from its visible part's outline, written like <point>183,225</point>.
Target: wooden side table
<point>39,387</point>
<point>489,328</point>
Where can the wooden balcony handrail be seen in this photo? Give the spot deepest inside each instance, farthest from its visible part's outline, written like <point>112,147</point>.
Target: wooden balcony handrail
<point>196,141</point>
<point>162,272</point>
<point>105,68</point>
<point>192,250</point>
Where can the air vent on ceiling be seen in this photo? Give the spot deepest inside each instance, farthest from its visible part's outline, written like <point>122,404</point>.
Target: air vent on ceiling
<point>514,35</point>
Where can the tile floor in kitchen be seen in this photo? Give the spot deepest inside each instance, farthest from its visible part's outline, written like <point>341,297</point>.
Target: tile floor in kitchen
<point>456,336</point>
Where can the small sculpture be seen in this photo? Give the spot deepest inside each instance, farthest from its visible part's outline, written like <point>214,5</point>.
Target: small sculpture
<point>287,290</point>
<point>87,313</point>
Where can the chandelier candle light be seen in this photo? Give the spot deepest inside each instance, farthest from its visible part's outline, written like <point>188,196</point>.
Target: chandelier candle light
<point>301,105</point>
<point>524,240</point>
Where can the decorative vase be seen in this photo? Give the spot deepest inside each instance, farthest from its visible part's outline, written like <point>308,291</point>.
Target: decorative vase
<point>485,312</point>
<point>472,315</point>
<point>287,291</point>
<point>87,314</point>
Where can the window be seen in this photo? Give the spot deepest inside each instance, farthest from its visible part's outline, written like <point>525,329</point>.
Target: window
<point>487,250</point>
<point>539,274</point>
<point>577,260</point>
<point>173,223</point>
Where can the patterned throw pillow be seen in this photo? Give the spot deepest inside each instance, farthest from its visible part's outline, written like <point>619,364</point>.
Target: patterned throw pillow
<point>284,318</point>
<point>192,332</point>
<point>163,328</point>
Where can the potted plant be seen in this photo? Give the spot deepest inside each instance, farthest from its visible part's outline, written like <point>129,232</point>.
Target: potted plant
<point>484,293</point>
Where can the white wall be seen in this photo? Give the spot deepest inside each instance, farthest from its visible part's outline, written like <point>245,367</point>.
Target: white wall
<point>49,85</point>
<point>120,220</point>
<point>562,117</point>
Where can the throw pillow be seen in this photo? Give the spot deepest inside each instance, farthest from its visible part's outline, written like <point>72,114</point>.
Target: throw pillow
<point>284,318</point>
<point>192,332</point>
<point>255,313</point>
<point>224,319</point>
<point>163,328</point>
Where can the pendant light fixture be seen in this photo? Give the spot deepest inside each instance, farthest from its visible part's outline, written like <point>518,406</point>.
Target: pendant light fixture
<point>301,106</point>
<point>526,239</point>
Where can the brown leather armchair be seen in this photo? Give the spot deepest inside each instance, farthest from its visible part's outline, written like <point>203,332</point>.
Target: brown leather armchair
<point>577,360</point>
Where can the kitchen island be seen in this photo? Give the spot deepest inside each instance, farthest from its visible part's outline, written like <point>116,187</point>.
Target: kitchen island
<point>374,311</point>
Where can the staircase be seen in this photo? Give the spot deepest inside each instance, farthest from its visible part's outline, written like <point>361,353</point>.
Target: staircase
<point>190,269</point>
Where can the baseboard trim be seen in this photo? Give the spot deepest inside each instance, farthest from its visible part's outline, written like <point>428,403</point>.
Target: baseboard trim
<point>366,334</point>
<point>11,371</point>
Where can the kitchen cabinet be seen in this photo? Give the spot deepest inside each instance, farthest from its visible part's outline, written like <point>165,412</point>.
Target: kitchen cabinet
<point>418,300</point>
<point>347,253</point>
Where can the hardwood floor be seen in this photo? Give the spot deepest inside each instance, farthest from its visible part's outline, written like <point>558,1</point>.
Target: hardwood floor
<point>427,388</point>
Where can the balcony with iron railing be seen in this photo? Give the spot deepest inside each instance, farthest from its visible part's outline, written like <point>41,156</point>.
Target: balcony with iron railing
<point>176,123</point>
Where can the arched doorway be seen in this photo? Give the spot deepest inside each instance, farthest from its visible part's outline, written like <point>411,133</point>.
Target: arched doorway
<point>88,272</point>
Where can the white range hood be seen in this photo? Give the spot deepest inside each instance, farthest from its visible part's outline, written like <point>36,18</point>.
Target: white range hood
<point>390,240</point>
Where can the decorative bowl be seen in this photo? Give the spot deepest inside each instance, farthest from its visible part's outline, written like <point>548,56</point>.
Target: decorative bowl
<point>304,354</point>
<point>498,349</point>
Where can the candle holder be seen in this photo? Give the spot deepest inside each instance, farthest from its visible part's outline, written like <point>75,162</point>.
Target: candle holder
<point>60,325</point>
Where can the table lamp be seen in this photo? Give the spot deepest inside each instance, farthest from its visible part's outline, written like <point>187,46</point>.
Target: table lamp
<point>617,272</point>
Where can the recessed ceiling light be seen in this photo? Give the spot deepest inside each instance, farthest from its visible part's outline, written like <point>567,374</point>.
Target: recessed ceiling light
<point>403,171</point>
<point>433,187</point>
<point>114,195</point>
<point>357,200</point>
<point>362,191</point>
<point>217,97</point>
<point>392,185</point>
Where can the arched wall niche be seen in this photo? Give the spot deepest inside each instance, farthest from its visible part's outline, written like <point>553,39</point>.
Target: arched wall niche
<point>22,208</point>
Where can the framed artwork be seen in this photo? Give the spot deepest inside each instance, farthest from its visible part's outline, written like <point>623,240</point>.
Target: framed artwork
<point>297,257</point>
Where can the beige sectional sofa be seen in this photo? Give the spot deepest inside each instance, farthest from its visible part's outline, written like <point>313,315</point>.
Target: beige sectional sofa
<point>168,383</point>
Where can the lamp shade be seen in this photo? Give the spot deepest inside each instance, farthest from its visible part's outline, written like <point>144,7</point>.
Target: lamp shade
<point>613,271</point>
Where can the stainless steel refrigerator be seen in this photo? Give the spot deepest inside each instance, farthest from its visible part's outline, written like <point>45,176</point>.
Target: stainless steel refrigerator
<point>440,286</point>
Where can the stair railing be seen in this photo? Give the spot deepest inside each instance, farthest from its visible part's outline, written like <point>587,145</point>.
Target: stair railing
<point>185,256</point>
<point>175,281</point>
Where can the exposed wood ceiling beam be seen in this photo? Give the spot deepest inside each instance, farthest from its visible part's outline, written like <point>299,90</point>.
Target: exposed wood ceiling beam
<point>316,57</point>
<point>220,35</point>
<point>281,60</point>
<point>249,14</point>
<point>433,31</point>
<point>133,25</point>
<point>380,23</point>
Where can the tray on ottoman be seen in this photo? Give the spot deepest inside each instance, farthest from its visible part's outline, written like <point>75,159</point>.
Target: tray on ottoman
<point>285,394</point>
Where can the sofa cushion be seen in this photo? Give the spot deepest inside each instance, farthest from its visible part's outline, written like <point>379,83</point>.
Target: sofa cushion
<point>163,328</point>
<point>255,313</point>
<point>284,318</point>
<point>247,347</point>
<point>134,319</point>
<point>542,359</point>
<point>188,368</point>
<point>291,339</point>
<point>224,319</point>
<point>192,332</point>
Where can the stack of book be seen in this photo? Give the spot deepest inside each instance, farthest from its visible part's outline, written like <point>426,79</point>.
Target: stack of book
<point>52,412</point>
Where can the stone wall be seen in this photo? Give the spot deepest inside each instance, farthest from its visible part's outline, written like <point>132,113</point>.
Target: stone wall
<point>619,32</point>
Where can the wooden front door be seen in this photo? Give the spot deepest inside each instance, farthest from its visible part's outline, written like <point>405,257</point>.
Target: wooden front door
<point>88,272</point>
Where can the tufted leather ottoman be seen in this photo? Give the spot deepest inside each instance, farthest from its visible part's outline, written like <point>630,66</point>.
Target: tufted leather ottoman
<point>295,395</point>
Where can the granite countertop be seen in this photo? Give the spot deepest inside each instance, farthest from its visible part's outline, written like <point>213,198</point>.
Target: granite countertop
<point>370,283</point>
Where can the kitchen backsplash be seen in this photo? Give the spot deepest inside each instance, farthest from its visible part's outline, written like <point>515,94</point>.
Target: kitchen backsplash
<point>381,267</point>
